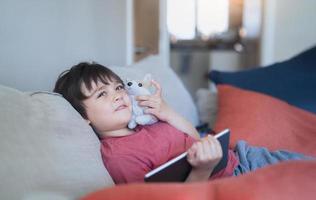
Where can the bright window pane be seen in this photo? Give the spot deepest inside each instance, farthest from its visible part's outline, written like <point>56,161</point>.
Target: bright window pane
<point>252,18</point>
<point>212,16</point>
<point>181,18</point>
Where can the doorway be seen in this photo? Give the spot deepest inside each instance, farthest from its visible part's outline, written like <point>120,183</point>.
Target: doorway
<point>146,28</point>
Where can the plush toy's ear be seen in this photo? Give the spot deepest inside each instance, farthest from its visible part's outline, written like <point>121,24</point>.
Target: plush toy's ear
<point>147,80</point>
<point>127,80</point>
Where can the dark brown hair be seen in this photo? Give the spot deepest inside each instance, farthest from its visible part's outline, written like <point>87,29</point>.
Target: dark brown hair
<point>70,82</point>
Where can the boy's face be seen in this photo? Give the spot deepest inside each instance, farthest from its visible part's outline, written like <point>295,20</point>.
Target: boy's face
<point>108,107</point>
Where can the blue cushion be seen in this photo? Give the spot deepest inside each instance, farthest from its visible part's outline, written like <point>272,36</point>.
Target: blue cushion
<point>293,81</point>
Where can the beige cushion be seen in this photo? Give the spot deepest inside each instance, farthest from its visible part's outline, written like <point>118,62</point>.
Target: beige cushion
<point>46,146</point>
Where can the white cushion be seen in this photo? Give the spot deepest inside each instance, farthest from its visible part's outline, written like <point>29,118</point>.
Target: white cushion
<point>173,90</point>
<point>46,146</point>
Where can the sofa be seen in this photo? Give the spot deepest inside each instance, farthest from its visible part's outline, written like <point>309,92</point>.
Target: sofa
<point>48,151</point>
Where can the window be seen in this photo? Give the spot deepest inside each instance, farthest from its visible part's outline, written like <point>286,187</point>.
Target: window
<point>190,19</point>
<point>212,23</point>
<point>212,17</point>
<point>181,19</point>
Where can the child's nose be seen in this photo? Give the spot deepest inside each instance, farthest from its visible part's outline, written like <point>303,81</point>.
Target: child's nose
<point>118,97</point>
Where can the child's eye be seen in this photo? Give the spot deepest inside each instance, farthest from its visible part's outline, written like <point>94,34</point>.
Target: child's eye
<point>120,87</point>
<point>103,93</point>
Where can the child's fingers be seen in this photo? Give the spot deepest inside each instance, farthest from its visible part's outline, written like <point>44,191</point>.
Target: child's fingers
<point>216,148</point>
<point>207,148</point>
<point>158,87</point>
<point>151,111</point>
<point>142,97</point>
<point>192,151</point>
<point>198,148</point>
<point>151,104</point>
<point>201,152</point>
<point>147,98</point>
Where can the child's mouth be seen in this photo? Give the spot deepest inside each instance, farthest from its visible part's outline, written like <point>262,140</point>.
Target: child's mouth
<point>121,107</point>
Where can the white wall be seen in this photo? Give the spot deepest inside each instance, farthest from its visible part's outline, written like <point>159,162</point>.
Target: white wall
<point>289,27</point>
<point>164,43</point>
<point>41,38</point>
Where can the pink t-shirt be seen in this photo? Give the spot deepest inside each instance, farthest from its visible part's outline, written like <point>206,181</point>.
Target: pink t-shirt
<point>129,158</point>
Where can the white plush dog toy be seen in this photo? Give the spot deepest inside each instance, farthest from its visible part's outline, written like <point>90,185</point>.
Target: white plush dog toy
<point>136,88</point>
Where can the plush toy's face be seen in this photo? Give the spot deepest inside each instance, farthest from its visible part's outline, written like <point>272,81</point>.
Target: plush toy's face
<point>136,88</point>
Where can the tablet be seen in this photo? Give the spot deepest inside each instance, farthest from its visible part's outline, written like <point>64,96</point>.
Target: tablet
<point>178,168</point>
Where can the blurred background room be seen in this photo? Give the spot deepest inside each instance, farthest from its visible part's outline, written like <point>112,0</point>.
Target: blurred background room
<point>39,39</point>
<point>232,35</point>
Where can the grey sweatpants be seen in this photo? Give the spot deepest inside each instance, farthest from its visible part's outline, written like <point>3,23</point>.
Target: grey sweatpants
<point>252,158</point>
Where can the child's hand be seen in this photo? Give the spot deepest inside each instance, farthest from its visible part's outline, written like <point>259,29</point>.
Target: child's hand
<point>155,103</point>
<point>205,154</point>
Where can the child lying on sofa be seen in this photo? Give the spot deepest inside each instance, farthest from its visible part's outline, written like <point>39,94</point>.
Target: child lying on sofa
<point>98,94</point>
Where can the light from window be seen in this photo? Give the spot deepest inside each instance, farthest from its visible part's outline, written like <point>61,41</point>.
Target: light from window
<point>212,16</point>
<point>208,17</point>
<point>252,18</point>
<point>181,18</point>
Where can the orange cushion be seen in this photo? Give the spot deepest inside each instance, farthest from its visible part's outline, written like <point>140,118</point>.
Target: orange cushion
<point>288,180</point>
<point>263,120</point>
